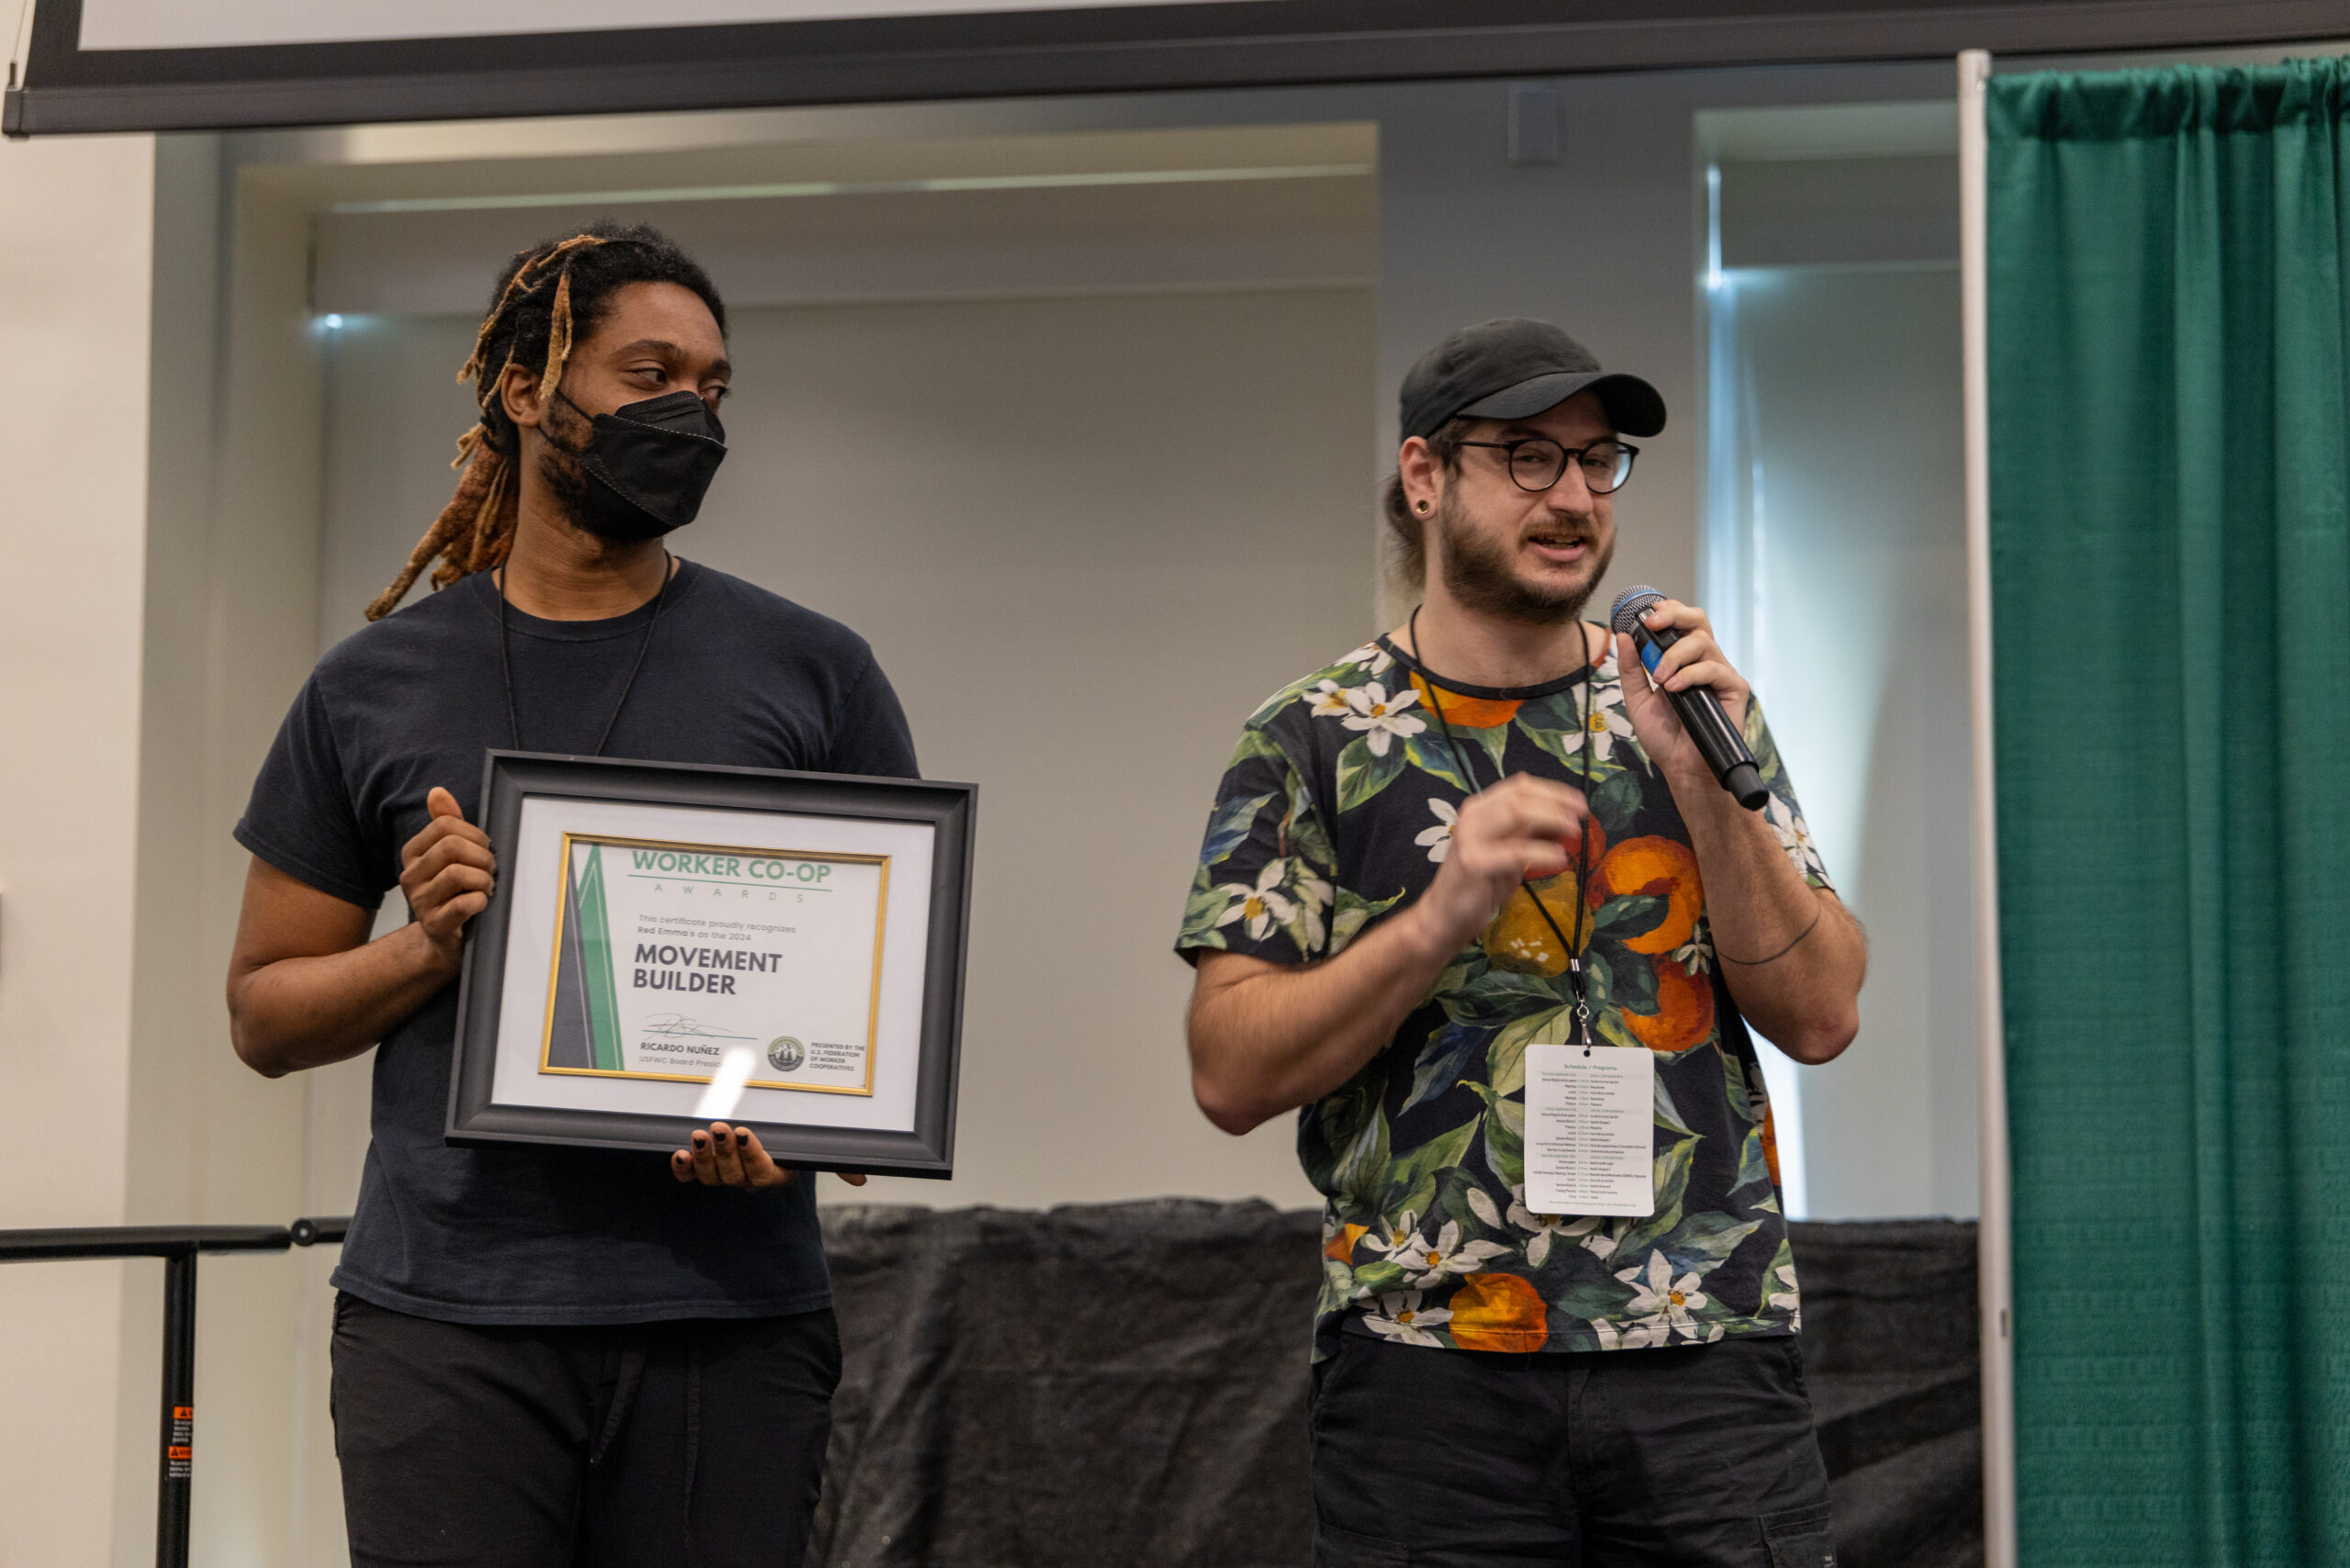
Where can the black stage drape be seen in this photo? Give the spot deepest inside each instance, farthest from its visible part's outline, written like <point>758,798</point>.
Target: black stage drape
<point>1125,1383</point>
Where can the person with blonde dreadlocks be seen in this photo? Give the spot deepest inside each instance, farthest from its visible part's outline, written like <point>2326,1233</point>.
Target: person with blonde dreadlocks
<point>551,1356</point>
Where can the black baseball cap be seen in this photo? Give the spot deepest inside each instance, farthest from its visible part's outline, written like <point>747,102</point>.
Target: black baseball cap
<point>1514,367</point>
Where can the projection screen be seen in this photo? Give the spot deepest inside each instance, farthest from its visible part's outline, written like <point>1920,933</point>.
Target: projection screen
<point>108,65</point>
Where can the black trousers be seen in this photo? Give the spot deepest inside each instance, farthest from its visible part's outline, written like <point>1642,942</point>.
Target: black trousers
<point>643,1446</point>
<point>1696,1456</point>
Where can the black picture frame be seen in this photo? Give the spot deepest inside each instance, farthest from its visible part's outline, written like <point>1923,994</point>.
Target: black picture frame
<point>509,778</point>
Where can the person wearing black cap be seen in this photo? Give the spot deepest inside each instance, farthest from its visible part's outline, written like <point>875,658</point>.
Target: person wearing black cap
<point>1483,841</point>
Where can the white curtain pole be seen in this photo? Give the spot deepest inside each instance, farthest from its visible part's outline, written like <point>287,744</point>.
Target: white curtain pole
<point>1995,1294</point>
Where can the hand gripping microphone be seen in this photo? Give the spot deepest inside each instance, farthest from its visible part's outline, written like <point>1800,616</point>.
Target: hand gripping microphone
<point>1701,711</point>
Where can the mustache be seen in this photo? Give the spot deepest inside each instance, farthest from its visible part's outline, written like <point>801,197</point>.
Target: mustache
<point>1558,533</point>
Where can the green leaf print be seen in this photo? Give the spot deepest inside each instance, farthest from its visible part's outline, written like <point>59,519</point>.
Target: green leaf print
<point>1363,773</point>
<point>1422,1163</point>
<point>1456,1191</point>
<point>1629,982</point>
<point>1351,913</point>
<point>1498,997</point>
<point>1617,796</point>
<point>1256,746</point>
<point>1202,910</point>
<point>1456,973</point>
<point>1701,1242</point>
<point>1759,741</point>
<point>1364,1160</point>
<point>1668,1114</point>
<point>1627,917</point>
<point>1671,1183</point>
<point>1590,1295</point>
<point>1506,1058</point>
<point>1428,753</point>
<point>1441,1059</point>
<point>1303,834</point>
<point>1379,1276</point>
<point>1741,1098</point>
<point>1228,828</point>
<point>1610,1027</point>
<point>1511,1115</point>
<point>1496,741</point>
<point>1753,1164</point>
<point>1779,1280</point>
<point>1504,1134</point>
<point>1565,744</point>
<point>1673,1172</point>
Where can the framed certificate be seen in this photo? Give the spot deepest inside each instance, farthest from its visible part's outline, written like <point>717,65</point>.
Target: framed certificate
<point>671,945</point>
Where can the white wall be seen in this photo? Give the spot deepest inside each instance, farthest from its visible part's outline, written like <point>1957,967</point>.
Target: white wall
<point>1086,537</point>
<point>230,625</point>
<point>74,310</point>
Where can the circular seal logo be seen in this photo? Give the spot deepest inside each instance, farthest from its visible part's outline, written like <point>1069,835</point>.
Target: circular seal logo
<point>785,1054</point>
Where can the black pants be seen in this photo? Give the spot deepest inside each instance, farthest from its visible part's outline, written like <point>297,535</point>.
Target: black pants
<point>646,1446</point>
<point>1696,1456</point>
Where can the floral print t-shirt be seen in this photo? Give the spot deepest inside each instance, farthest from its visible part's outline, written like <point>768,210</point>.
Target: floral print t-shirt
<point>1335,811</point>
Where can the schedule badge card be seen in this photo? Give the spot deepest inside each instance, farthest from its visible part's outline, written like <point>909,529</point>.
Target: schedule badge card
<point>1590,1120</point>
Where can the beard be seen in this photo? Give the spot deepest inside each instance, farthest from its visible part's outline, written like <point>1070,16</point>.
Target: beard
<point>566,485</point>
<point>1481,574</point>
<point>568,437</point>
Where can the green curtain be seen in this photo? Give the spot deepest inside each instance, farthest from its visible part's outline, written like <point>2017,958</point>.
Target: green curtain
<point>2170,540</point>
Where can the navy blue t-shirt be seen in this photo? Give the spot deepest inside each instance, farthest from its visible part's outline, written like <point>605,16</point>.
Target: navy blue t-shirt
<point>543,1235</point>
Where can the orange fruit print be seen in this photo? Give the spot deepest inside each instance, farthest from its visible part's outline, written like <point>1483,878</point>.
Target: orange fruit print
<point>1659,867</point>
<point>1498,1312</point>
<point>1465,712</point>
<point>1521,941</point>
<point>1685,1011</point>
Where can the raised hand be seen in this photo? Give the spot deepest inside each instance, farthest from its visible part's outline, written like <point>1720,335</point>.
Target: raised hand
<point>1522,827</point>
<point>1694,660</point>
<point>447,872</point>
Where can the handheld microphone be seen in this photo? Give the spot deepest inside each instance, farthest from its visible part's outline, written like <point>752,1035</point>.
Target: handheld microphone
<point>1718,740</point>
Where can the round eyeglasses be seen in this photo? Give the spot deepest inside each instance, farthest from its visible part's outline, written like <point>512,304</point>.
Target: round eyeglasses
<point>1537,463</point>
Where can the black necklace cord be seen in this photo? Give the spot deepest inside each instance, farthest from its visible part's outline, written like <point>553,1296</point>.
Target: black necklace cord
<point>506,665</point>
<point>506,658</point>
<point>1583,844</point>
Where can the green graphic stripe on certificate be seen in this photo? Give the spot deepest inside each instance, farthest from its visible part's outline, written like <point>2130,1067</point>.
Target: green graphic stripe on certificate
<point>595,967</point>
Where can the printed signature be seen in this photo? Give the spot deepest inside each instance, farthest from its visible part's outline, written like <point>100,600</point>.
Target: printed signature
<point>679,1024</point>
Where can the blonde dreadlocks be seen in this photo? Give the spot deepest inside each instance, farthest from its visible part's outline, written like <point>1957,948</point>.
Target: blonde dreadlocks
<point>534,301</point>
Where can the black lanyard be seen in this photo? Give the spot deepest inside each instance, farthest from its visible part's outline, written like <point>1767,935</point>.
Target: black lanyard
<point>506,659</point>
<point>1582,847</point>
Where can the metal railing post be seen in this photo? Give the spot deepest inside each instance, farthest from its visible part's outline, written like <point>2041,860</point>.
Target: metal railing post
<point>178,1246</point>
<point>176,1484</point>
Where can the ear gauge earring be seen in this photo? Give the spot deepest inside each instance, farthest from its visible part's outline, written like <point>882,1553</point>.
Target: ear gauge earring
<point>1420,507</point>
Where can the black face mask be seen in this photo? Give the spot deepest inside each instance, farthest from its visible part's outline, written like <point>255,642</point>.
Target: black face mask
<point>648,465</point>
